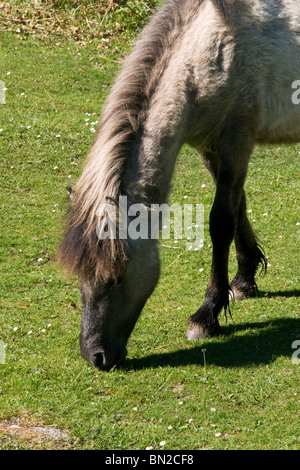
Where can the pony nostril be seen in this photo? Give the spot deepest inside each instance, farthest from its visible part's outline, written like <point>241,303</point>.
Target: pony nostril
<point>107,359</point>
<point>98,360</point>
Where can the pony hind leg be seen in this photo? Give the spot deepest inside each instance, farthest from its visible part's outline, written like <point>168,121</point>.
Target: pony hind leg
<point>249,256</point>
<point>229,170</point>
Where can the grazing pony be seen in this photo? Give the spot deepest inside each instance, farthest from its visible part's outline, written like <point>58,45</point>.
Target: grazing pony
<point>218,75</point>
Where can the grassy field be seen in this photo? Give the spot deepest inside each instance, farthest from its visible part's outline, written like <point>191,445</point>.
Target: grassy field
<point>239,390</point>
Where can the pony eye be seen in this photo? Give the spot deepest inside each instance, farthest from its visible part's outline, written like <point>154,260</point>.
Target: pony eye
<point>109,284</point>
<point>113,282</point>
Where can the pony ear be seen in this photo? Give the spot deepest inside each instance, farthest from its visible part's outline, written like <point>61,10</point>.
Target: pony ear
<point>112,201</point>
<point>70,192</point>
<point>112,209</point>
<point>119,208</point>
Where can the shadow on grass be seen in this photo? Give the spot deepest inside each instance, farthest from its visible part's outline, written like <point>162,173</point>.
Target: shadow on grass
<point>236,347</point>
<point>280,293</point>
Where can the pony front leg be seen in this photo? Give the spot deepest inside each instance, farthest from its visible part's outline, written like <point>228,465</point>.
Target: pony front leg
<point>229,169</point>
<point>222,227</point>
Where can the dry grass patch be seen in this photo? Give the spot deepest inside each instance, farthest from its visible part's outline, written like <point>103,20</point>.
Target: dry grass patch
<point>25,432</point>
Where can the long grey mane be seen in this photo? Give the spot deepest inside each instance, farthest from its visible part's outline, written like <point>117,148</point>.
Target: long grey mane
<point>125,110</point>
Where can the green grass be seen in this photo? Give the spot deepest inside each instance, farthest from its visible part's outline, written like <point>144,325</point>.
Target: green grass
<point>239,390</point>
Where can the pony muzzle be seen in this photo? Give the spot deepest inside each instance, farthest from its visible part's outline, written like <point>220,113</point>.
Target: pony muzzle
<point>104,359</point>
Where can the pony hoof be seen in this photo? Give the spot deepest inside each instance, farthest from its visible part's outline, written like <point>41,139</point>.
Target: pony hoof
<point>239,294</point>
<point>196,332</point>
<point>241,290</point>
<point>235,294</point>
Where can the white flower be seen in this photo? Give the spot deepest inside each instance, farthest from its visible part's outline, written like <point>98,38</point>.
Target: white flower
<point>43,330</point>
<point>213,409</point>
<point>40,259</point>
<point>201,270</point>
<point>15,328</point>
<point>218,434</point>
<point>29,332</point>
<point>162,443</point>
<point>203,185</point>
<point>149,448</point>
